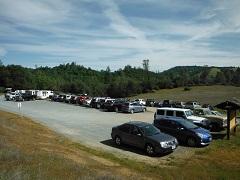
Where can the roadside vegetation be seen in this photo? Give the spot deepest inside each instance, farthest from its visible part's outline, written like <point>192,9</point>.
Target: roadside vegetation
<point>29,150</point>
<point>129,81</point>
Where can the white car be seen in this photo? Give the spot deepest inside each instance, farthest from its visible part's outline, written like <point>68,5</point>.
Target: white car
<point>165,113</point>
<point>140,101</point>
<point>10,96</point>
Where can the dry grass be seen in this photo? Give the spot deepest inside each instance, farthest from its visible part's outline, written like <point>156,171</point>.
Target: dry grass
<point>203,94</point>
<point>29,150</point>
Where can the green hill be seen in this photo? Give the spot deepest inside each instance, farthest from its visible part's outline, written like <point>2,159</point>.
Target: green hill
<point>129,81</point>
<point>204,94</point>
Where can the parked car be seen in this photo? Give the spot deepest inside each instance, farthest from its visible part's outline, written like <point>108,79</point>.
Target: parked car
<point>108,104</point>
<point>208,106</point>
<point>95,103</point>
<point>81,99</point>
<point>132,107</point>
<point>217,123</point>
<point>179,104</point>
<point>145,136</point>
<point>73,99</point>
<point>87,102</point>
<point>192,105</point>
<point>150,102</point>
<point>10,96</point>
<point>19,97</point>
<point>168,103</point>
<point>185,131</point>
<point>29,96</point>
<point>140,101</point>
<point>158,104</point>
<point>61,98</point>
<point>67,98</point>
<point>116,105</point>
<point>181,113</point>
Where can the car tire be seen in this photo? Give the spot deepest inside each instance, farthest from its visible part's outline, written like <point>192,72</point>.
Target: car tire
<point>191,141</point>
<point>118,140</point>
<point>116,109</point>
<point>149,149</point>
<point>132,111</point>
<point>144,109</point>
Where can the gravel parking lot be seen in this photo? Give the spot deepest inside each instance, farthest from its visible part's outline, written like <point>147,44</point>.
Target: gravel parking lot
<point>88,126</point>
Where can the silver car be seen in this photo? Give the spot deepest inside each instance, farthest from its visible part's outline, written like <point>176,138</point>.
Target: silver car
<point>132,107</point>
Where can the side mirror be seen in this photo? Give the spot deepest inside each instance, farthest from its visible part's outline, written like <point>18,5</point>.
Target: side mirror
<point>139,134</point>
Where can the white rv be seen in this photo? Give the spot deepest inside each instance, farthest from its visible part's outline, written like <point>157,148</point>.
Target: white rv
<point>44,94</point>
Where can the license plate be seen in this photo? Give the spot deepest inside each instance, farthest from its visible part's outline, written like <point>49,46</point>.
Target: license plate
<point>174,147</point>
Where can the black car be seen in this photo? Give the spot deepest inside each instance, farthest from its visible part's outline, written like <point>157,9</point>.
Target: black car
<point>168,103</point>
<point>28,97</point>
<point>150,102</point>
<point>184,130</point>
<point>145,136</point>
<point>115,105</point>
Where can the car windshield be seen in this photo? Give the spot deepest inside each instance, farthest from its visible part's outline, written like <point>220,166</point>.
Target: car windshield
<point>216,113</point>
<point>207,112</point>
<point>187,124</point>
<point>150,130</point>
<point>188,113</point>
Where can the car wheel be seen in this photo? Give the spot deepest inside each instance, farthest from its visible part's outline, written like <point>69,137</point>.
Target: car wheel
<point>116,109</point>
<point>191,142</point>
<point>150,149</point>
<point>118,140</point>
<point>144,109</point>
<point>132,111</point>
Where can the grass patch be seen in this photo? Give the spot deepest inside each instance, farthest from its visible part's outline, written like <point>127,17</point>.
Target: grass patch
<point>204,94</point>
<point>30,151</point>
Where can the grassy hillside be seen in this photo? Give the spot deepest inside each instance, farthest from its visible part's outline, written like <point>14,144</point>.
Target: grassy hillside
<point>204,94</point>
<point>29,150</point>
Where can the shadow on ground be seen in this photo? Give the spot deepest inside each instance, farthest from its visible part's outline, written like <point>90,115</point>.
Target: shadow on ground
<point>129,148</point>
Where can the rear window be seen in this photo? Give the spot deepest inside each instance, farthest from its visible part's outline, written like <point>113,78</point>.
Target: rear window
<point>180,114</point>
<point>160,112</point>
<point>169,113</point>
<point>125,128</point>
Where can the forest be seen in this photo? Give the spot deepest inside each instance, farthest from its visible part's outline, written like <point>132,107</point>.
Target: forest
<point>76,79</point>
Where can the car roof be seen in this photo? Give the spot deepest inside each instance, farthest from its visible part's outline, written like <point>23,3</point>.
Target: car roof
<point>173,109</point>
<point>138,123</point>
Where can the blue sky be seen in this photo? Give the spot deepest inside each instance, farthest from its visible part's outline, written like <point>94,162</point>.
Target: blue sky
<point>115,33</point>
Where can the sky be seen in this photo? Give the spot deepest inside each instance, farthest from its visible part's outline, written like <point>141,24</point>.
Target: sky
<point>116,33</point>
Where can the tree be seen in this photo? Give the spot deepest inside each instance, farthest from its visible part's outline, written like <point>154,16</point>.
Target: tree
<point>220,78</point>
<point>1,63</point>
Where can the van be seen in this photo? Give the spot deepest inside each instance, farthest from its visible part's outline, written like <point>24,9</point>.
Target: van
<point>180,113</point>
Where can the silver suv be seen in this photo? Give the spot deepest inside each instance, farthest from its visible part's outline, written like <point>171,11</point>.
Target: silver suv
<point>181,113</point>
<point>132,107</point>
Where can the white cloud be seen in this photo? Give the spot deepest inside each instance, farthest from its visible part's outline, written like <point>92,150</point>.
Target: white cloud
<point>34,12</point>
<point>2,51</point>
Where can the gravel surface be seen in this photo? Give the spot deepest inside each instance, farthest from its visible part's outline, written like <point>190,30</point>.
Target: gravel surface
<point>89,126</point>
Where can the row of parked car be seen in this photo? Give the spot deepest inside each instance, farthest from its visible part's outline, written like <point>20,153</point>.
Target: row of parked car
<point>105,103</point>
<point>26,95</point>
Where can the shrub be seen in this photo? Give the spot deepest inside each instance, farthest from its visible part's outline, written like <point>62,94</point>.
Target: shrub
<point>187,88</point>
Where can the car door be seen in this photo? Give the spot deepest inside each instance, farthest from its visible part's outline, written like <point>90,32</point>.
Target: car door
<point>125,133</point>
<point>136,138</point>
